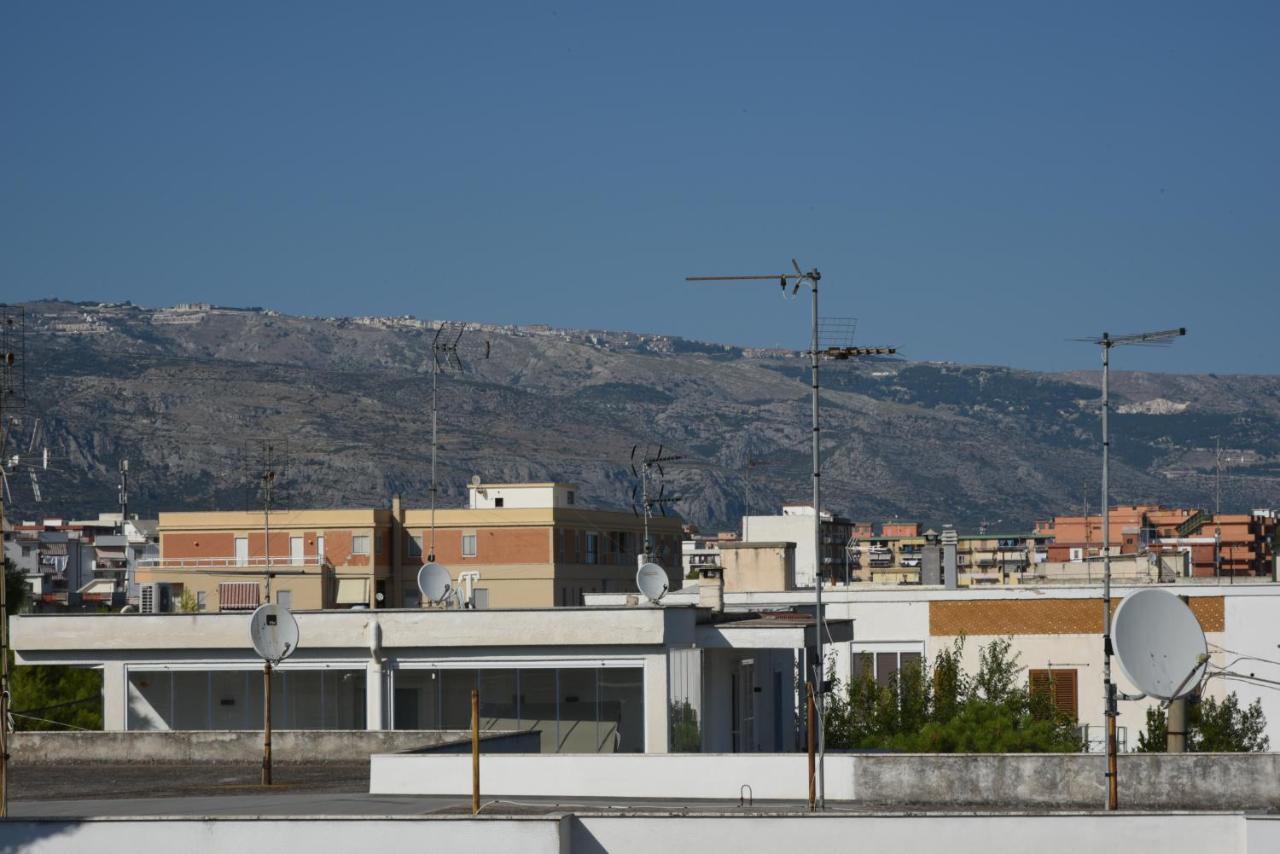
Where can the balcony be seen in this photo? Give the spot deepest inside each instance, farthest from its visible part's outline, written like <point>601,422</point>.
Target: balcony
<point>256,565</point>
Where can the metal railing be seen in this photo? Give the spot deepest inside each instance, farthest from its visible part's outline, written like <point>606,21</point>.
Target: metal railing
<point>229,562</point>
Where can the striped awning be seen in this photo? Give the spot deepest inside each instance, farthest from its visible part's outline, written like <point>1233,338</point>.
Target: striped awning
<point>238,595</point>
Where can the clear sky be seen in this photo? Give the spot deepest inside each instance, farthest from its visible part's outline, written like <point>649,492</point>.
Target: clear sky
<point>978,182</point>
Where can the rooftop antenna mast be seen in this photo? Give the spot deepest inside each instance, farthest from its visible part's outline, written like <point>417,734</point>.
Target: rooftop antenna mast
<point>1107,342</point>
<point>12,397</point>
<point>444,355</point>
<point>268,466</point>
<point>816,353</point>
<point>648,467</point>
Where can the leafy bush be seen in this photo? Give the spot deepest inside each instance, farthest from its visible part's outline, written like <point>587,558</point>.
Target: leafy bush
<point>942,709</point>
<point>1212,727</point>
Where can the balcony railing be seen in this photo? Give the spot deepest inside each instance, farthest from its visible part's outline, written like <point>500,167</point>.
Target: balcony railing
<point>167,563</point>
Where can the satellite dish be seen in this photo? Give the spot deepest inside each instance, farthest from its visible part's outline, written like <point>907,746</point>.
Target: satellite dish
<point>434,582</point>
<point>652,581</point>
<point>475,480</point>
<point>1160,644</point>
<point>273,632</point>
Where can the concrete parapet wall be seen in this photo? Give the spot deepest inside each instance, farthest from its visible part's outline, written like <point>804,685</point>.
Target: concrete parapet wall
<point>625,833</point>
<point>234,746</point>
<point>1233,781</point>
<point>1147,780</point>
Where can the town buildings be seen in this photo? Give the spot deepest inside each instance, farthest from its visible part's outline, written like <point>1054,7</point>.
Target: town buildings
<point>85,563</point>
<point>530,545</point>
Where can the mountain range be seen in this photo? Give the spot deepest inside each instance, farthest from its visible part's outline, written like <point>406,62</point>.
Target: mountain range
<point>188,394</point>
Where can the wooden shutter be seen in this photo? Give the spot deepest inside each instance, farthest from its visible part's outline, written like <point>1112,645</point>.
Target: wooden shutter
<point>1060,685</point>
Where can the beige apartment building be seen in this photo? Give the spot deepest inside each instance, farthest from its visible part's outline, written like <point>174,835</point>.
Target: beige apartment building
<point>526,545</point>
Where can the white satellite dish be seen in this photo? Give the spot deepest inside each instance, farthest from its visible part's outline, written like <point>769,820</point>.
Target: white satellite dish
<point>1160,644</point>
<point>435,582</point>
<point>652,581</point>
<point>273,632</point>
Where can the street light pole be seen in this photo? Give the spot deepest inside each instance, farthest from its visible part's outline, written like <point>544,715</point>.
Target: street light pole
<point>816,353</point>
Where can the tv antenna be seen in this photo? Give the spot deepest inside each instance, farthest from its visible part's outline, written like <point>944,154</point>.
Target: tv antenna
<point>647,468</point>
<point>267,479</point>
<point>818,350</point>
<point>444,356</point>
<point>273,633</point>
<point>1107,342</point>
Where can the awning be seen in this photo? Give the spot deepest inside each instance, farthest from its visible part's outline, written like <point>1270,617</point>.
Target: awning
<point>353,591</point>
<point>238,595</point>
<point>98,587</point>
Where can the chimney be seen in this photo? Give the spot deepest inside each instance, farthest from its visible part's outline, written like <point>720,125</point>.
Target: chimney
<point>711,589</point>
<point>950,577</point>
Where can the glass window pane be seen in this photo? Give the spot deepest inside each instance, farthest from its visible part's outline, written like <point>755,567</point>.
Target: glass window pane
<point>538,705</point>
<point>578,711</point>
<point>622,710</point>
<point>455,697</point>
<point>149,695</point>
<point>498,700</point>
<point>684,667</point>
<point>190,700</point>
<point>863,666</point>
<point>886,666</point>
<point>417,699</point>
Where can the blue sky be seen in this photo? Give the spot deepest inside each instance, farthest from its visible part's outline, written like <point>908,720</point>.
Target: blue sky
<point>978,182</point>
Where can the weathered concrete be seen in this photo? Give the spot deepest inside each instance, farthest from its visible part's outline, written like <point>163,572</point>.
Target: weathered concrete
<point>229,746</point>
<point>624,832</point>
<point>1147,781</point>
<point>1005,781</point>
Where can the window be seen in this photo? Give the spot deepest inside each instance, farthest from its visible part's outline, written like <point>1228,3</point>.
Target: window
<point>569,497</point>
<point>377,542</point>
<point>468,545</point>
<point>497,502</point>
<point>415,545</point>
<point>201,600</point>
<point>1077,554</point>
<point>1060,685</point>
<point>593,548</point>
<point>360,544</point>
<point>880,664</point>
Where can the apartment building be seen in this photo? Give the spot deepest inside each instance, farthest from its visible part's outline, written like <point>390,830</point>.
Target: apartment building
<point>534,545</point>
<point>527,545</point>
<point>795,525</point>
<point>78,563</point>
<point>1228,545</point>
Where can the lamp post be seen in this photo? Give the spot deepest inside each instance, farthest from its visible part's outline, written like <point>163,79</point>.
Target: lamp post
<point>816,354</point>
<point>1106,342</point>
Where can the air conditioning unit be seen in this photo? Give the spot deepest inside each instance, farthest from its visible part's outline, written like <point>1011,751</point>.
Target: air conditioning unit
<point>155,598</point>
<point>147,594</point>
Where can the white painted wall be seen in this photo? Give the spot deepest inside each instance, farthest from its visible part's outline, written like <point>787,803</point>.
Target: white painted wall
<point>1181,833</point>
<point>684,776</point>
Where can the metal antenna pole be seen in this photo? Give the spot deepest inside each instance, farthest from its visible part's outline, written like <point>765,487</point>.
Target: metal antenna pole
<point>268,480</point>
<point>435,373</point>
<point>124,494</point>
<point>1109,688</point>
<point>1110,710</point>
<point>816,354</point>
<point>4,640</point>
<point>819,620</point>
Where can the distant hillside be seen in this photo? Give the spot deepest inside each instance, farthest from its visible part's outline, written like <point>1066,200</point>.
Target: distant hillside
<point>181,392</point>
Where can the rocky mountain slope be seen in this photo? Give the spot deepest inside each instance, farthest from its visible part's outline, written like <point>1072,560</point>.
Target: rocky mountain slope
<point>182,392</point>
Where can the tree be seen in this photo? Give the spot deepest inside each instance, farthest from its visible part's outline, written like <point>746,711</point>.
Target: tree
<point>187,603</point>
<point>942,709</point>
<point>49,697</point>
<point>1212,727</point>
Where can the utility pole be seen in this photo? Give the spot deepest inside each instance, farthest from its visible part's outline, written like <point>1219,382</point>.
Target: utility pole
<point>444,348</point>
<point>124,495</point>
<point>12,394</point>
<point>817,672</point>
<point>1111,710</point>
